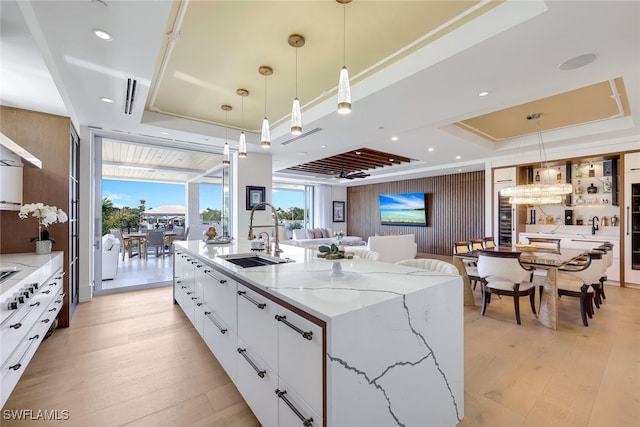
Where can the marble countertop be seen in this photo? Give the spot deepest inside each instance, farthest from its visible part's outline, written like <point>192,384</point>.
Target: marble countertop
<point>307,283</point>
<point>31,270</point>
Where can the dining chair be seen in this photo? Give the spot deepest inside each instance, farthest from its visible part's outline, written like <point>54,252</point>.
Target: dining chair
<point>125,244</point>
<point>503,274</point>
<point>431,265</point>
<point>547,243</point>
<point>581,281</point>
<point>367,254</point>
<point>488,242</point>
<point>608,247</point>
<point>463,247</point>
<point>154,240</point>
<point>476,244</point>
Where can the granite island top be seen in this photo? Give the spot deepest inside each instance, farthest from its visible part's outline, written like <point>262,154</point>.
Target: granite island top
<point>306,281</point>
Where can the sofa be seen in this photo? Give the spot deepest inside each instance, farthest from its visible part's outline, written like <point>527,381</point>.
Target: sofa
<point>318,236</point>
<point>394,248</point>
<point>110,256</point>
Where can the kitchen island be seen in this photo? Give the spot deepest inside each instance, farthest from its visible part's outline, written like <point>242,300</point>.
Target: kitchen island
<point>380,345</point>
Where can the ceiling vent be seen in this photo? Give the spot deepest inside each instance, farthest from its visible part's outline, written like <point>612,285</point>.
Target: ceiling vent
<point>130,96</point>
<point>295,138</point>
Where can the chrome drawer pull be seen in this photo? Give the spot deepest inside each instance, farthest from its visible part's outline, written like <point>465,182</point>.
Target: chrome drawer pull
<point>307,422</point>
<point>222,281</point>
<point>16,325</point>
<point>215,322</point>
<point>260,305</point>
<point>45,320</point>
<point>199,304</point>
<point>35,304</point>
<point>260,373</point>
<point>189,293</point>
<point>306,335</point>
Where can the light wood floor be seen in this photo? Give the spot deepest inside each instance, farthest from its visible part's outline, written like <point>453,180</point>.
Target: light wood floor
<point>133,359</point>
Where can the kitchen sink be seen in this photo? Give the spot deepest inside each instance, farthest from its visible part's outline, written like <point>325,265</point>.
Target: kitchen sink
<point>253,260</point>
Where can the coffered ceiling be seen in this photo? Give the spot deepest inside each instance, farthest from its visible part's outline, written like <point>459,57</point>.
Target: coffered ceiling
<point>416,70</point>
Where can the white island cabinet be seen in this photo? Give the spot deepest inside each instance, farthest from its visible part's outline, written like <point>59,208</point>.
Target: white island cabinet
<point>381,345</point>
<point>31,301</point>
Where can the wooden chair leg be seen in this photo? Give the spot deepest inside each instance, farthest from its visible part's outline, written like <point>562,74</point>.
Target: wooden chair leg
<point>532,299</point>
<point>516,306</point>
<point>485,298</point>
<point>596,295</point>
<point>604,297</point>
<point>583,313</point>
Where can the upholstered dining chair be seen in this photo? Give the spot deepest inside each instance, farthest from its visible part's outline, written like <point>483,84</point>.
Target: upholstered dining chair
<point>503,274</point>
<point>547,243</point>
<point>488,242</point>
<point>463,247</point>
<point>476,244</point>
<point>582,281</point>
<point>367,254</point>
<point>431,265</point>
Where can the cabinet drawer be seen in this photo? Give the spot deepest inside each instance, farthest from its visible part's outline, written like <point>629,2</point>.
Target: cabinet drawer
<point>16,363</point>
<point>221,339</point>
<point>220,294</point>
<point>256,382</point>
<point>256,324</point>
<point>14,328</point>
<point>300,356</point>
<point>292,408</point>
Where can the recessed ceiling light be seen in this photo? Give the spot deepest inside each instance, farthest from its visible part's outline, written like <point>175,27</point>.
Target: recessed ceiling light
<point>391,160</point>
<point>458,157</point>
<point>394,138</point>
<point>323,146</point>
<point>301,153</point>
<point>102,34</point>
<point>577,62</point>
<point>459,170</point>
<point>430,149</point>
<point>358,152</point>
<point>483,93</point>
<point>107,100</point>
<point>164,133</point>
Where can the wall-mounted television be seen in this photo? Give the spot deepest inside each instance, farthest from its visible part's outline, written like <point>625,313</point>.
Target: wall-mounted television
<point>403,209</point>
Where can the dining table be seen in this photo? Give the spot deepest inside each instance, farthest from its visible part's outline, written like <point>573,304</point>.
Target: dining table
<point>139,237</point>
<point>539,258</point>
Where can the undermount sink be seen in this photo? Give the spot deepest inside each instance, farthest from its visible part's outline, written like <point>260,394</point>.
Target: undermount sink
<point>253,260</point>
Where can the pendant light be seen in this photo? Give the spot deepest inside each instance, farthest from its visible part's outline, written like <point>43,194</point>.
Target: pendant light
<point>296,41</point>
<point>344,90</point>
<point>225,150</point>
<point>265,136</point>
<point>540,193</point>
<point>242,143</point>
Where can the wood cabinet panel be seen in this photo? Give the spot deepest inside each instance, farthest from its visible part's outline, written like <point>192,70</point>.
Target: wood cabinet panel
<point>47,137</point>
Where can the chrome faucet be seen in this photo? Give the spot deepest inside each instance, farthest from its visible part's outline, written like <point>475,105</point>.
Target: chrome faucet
<point>594,226</point>
<point>276,247</point>
<point>268,250</point>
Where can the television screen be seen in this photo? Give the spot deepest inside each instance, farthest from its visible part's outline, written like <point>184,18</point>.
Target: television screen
<point>403,209</point>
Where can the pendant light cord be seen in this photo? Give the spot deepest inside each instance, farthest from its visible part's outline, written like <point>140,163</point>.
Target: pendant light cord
<point>296,72</point>
<point>344,34</point>
<point>265,96</point>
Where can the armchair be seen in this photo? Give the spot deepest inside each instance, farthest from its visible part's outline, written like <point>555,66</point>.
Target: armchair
<point>110,255</point>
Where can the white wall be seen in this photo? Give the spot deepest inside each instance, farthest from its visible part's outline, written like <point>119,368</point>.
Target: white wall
<point>86,216</point>
<point>339,194</point>
<point>255,171</point>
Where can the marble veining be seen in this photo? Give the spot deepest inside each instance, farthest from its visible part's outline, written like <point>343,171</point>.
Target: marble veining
<point>375,381</point>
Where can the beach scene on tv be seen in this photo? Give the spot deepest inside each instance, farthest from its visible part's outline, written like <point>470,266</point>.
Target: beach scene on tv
<point>403,209</point>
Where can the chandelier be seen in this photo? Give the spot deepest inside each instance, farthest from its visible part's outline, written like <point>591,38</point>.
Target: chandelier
<point>540,193</point>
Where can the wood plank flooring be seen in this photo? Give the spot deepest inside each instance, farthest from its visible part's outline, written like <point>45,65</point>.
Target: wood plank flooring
<point>133,359</point>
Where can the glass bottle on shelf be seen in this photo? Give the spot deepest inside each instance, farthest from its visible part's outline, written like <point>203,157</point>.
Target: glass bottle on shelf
<point>537,178</point>
<point>559,175</point>
<point>579,171</point>
<point>607,185</point>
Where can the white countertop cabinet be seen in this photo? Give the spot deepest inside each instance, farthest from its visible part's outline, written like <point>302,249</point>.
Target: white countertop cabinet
<point>380,346</point>
<point>31,300</point>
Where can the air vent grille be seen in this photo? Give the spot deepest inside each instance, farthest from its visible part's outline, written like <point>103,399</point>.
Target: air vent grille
<point>130,96</point>
<point>295,138</point>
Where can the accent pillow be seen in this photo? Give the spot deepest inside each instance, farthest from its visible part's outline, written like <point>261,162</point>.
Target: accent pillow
<point>325,233</point>
<point>317,233</point>
<point>310,234</point>
<point>299,234</point>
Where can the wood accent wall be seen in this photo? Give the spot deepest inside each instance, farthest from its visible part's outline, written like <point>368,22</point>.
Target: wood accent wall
<point>455,209</point>
<point>47,137</point>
